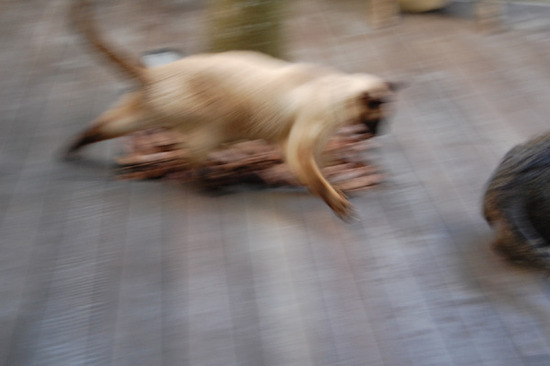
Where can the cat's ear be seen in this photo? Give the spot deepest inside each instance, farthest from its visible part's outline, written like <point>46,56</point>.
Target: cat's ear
<point>396,86</point>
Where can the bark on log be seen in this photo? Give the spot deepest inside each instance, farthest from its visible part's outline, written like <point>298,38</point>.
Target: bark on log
<point>155,154</point>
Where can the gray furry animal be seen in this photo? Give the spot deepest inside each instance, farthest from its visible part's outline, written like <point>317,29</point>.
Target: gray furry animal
<point>517,203</point>
<point>214,99</point>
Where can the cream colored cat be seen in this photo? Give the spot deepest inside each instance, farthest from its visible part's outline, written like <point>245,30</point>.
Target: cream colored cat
<point>218,98</point>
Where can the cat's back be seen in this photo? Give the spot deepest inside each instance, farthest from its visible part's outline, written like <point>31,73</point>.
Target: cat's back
<point>523,172</point>
<point>238,70</point>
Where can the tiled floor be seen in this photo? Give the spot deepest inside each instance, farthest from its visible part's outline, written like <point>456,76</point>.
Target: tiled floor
<point>97,271</point>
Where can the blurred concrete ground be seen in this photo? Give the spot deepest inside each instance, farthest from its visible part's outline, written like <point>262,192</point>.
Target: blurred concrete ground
<point>102,272</point>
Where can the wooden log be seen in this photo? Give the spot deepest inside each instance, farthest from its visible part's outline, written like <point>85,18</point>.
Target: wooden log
<point>158,153</point>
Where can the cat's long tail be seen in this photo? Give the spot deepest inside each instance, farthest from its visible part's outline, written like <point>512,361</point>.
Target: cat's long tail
<point>81,17</point>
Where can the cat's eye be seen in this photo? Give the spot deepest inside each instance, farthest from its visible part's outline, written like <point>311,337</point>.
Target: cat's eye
<point>374,103</point>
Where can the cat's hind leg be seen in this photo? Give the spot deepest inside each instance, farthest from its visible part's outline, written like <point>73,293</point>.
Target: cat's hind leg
<point>126,116</point>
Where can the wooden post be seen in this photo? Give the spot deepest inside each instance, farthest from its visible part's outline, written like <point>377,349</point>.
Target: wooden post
<point>246,25</point>
<point>382,13</point>
<point>489,15</point>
